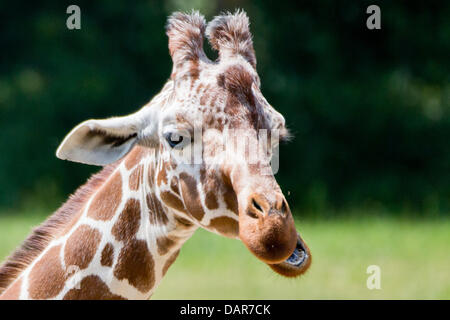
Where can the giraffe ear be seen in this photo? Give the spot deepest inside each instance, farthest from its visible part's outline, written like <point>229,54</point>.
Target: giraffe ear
<point>101,142</point>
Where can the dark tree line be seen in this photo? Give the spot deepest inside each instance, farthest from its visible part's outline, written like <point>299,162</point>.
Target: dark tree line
<point>369,108</point>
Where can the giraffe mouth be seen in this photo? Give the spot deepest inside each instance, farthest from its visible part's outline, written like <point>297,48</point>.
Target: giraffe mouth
<point>300,255</point>
<point>297,263</point>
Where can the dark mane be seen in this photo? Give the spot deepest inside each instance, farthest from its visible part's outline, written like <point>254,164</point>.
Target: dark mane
<point>43,234</point>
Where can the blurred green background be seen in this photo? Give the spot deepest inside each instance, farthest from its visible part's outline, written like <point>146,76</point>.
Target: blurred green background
<point>367,175</point>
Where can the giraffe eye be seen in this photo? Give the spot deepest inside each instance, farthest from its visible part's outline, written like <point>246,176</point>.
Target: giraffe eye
<point>175,139</point>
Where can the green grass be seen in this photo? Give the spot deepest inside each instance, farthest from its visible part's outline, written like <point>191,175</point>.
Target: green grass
<point>414,257</point>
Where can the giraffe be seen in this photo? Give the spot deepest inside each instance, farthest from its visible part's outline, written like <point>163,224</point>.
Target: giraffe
<point>118,234</point>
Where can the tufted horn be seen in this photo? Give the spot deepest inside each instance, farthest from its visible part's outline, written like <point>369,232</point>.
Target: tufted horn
<point>230,35</point>
<point>185,32</point>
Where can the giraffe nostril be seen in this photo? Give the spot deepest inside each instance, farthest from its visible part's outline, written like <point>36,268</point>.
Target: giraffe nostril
<point>256,205</point>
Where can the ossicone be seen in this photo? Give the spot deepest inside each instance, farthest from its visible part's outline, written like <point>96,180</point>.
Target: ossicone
<point>185,32</point>
<point>229,34</point>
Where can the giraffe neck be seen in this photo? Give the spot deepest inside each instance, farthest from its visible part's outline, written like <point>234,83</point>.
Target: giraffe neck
<point>119,245</point>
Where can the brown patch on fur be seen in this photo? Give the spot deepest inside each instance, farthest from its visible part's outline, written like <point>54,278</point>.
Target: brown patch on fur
<point>157,215</point>
<point>211,201</point>
<point>231,201</point>
<point>210,120</point>
<point>220,124</point>
<point>217,124</point>
<point>128,223</point>
<point>164,245</point>
<point>199,88</point>
<point>162,174</point>
<point>194,72</point>
<point>174,186</point>
<point>92,288</point>
<point>136,264</point>
<point>136,178</point>
<point>225,226</point>
<point>182,222</point>
<point>81,246</point>
<point>191,196</point>
<point>107,199</point>
<point>172,201</point>
<point>204,98</point>
<point>237,81</point>
<point>47,278</point>
<point>13,292</point>
<point>240,104</point>
<point>134,157</point>
<point>107,255</point>
<point>210,184</point>
<point>47,231</point>
<point>181,118</point>
<point>170,261</point>
<point>214,100</point>
<point>229,196</point>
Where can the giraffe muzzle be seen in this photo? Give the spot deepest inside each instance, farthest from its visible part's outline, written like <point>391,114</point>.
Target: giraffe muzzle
<point>268,229</point>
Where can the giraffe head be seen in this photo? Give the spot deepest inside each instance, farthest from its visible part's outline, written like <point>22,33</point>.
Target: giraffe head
<point>209,137</point>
